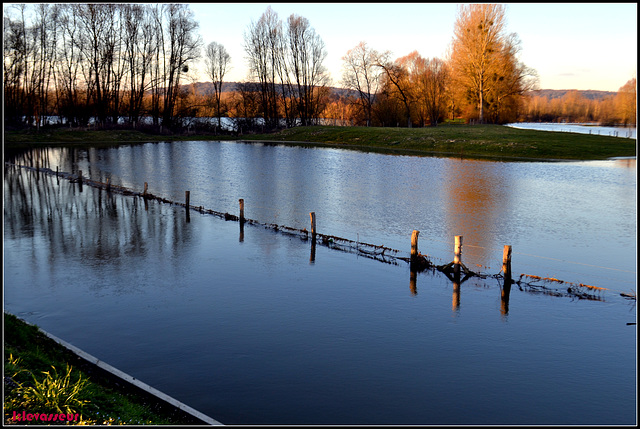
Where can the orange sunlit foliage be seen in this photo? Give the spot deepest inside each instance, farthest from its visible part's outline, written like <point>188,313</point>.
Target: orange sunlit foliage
<point>91,65</point>
<point>625,103</point>
<point>488,78</point>
<point>573,106</point>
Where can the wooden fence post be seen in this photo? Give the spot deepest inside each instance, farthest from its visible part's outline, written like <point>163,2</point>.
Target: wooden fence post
<point>414,244</point>
<point>80,176</point>
<point>506,263</point>
<point>108,183</point>
<point>145,189</point>
<point>241,202</point>
<point>313,224</point>
<point>457,255</point>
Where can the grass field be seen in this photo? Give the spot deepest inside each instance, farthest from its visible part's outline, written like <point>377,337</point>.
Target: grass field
<point>35,381</point>
<point>477,141</point>
<point>468,141</point>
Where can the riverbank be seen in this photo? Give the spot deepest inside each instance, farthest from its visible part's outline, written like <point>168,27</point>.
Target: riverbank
<point>91,395</point>
<point>466,141</point>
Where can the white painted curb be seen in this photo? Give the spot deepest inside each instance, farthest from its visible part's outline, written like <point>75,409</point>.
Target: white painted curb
<point>155,392</point>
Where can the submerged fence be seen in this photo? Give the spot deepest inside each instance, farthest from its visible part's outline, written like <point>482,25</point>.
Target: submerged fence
<point>455,270</point>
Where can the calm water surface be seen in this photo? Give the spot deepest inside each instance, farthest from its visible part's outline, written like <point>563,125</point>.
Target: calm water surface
<point>242,324</point>
<point>622,132</point>
<point>575,221</point>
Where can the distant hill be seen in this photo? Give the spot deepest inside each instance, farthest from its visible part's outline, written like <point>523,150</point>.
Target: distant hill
<point>559,93</point>
<point>207,88</point>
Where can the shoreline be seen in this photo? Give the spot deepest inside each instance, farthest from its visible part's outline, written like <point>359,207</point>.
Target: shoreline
<point>493,142</point>
<point>105,376</point>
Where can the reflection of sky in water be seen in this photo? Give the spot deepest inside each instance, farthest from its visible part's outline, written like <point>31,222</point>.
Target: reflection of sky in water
<point>581,212</point>
<point>243,327</point>
<point>621,132</point>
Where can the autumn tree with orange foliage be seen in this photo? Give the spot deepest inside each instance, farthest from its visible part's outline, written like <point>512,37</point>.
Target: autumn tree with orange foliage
<point>433,86</point>
<point>484,63</point>
<point>625,103</point>
<point>574,106</point>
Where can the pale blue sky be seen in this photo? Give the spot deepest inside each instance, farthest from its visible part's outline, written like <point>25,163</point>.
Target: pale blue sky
<point>572,46</point>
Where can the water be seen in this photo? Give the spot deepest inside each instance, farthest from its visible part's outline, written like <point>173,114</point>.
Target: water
<point>575,221</point>
<point>622,132</point>
<point>242,325</point>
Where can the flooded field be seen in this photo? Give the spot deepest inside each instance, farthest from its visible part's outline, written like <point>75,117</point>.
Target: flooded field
<point>252,325</point>
<point>622,132</point>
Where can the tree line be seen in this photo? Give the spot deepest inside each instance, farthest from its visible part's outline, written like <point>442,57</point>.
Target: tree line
<point>100,61</point>
<point>112,63</point>
<point>612,109</point>
<point>481,78</point>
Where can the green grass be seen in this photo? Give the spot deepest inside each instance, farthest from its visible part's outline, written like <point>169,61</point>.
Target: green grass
<point>44,377</point>
<point>453,140</point>
<point>477,141</point>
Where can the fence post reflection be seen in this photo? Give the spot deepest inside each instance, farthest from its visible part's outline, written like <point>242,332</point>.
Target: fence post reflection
<point>455,299</point>
<point>312,257</point>
<point>187,195</point>
<point>241,204</point>
<point>413,277</point>
<point>506,288</point>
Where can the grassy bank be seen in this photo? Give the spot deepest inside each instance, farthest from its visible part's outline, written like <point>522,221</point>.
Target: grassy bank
<point>96,396</point>
<point>477,141</point>
<point>468,141</point>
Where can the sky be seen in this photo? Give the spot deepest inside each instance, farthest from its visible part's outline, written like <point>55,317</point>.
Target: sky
<point>584,46</point>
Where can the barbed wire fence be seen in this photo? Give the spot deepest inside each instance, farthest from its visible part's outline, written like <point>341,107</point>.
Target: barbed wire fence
<point>531,282</point>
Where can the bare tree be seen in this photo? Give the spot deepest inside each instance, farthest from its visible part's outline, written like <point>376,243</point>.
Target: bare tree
<point>398,76</point>
<point>306,55</point>
<point>100,44</point>
<point>14,68</point>
<point>139,45</point>
<point>217,61</point>
<point>245,106</point>
<point>157,69</point>
<point>261,44</point>
<point>69,61</point>
<point>361,74</point>
<point>434,83</point>
<point>287,62</point>
<point>44,42</point>
<point>183,46</point>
